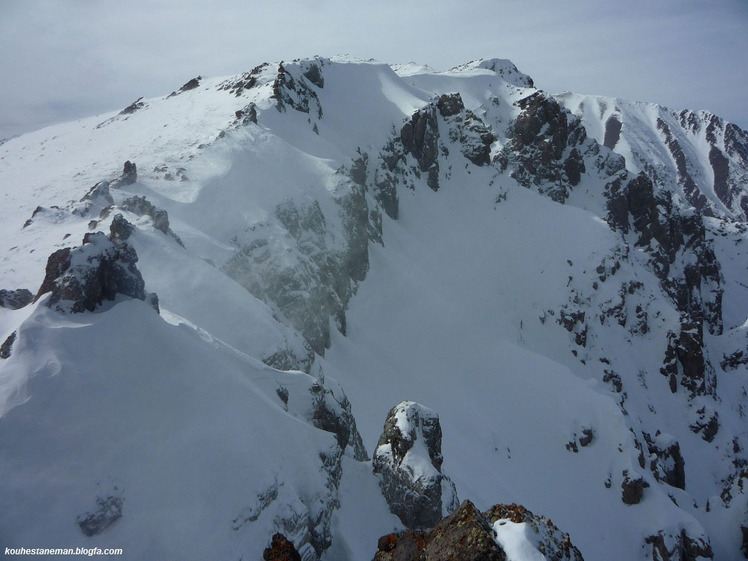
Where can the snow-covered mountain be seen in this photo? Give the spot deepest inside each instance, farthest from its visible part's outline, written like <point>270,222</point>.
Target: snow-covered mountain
<point>332,298</point>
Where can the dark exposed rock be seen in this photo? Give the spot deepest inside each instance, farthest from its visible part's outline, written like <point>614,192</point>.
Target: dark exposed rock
<point>143,207</point>
<point>99,192</point>
<point>685,364</point>
<point>280,549</point>
<point>734,360</point>
<point>588,435</point>
<point>690,189</point>
<point>468,535</point>
<point>465,526</point>
<point>546,147</point>
<point>15,299</point>
<point>294,93</point>
<point>7,346</point>
<point>668,464</point>
<point>82,278</point>
<point>475,139</point>
<point>36,211</point>
<point>57,264</point>
<point>246,81</point>
<point>386,179</point>
<point>128,177</point>
<point>632,488</point>
<point>707,424</point>
<point>287,359</point>
<point>333,415</point>
<point>683,259</point>
<point>190,85</point>
<point>358,171</point>
<point>133,107</point>
<point>612,132</point>
<point>586,438</point>
<point>108,511</point>
<point>667,546</point>
<point>450,104</point>
<point>314,75</point>
<point>465,535</point>
<point>573,322</point>
<point>721,168</point>
<point>120,229</point>
<point>419,137</point>
<point>414,494</point>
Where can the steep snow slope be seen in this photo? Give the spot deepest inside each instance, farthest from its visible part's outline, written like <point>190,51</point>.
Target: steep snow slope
<point>458,239</point>
<point>699,152</point>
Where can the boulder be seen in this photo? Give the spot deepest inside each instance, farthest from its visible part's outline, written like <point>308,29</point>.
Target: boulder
<point>15,299</point>
<point>280,549</point>
<point>80,279</point>
<point>129,175</point>
<point>632,488</point>
<point>408,458</point>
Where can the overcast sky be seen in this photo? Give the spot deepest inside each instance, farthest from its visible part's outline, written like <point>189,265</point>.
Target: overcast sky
<point>66,59</point>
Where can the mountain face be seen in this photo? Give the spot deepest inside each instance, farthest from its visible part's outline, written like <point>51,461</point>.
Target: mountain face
<point>210,302</point>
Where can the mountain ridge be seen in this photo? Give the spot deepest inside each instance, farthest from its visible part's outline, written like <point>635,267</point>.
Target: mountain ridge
<point>478,226</point>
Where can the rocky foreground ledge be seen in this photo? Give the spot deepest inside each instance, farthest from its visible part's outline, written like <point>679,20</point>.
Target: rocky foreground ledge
<point>502,532</point>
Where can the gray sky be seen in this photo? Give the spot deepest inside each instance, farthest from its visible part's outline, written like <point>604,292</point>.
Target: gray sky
<point>66,59</point>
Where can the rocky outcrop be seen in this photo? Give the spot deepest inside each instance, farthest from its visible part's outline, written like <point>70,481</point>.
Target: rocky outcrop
<point>549,540</point>
<point>7,346</point>
<point>424,140</point>
<point>408,458</point>
<point>15,299</point>
<point>468,535</point>
<point>632,488</point>
<point>308,519</point>
<point>143,207</point>
<point>108,511</point>
<point>666,462</point>
<point>473,135</point>
<point>420,138</point>
<point>296,91</point>
<point>546,147</point>
<point>464,535</point>
<point>136,105</point>
<point>280,549</point>
<point>80,279</point>
<point>128,177</point>
<point>189,85</point>
<point>333,414</point>
<point>679,546</point>
<point>100,194</point>
<point>683,258</point>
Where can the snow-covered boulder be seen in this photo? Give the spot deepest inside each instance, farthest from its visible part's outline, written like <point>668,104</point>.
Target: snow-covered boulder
<point>408,457</point>
<point>81,278</point>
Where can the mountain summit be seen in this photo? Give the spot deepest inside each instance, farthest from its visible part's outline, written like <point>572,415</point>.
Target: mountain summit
<point>236,282</point>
